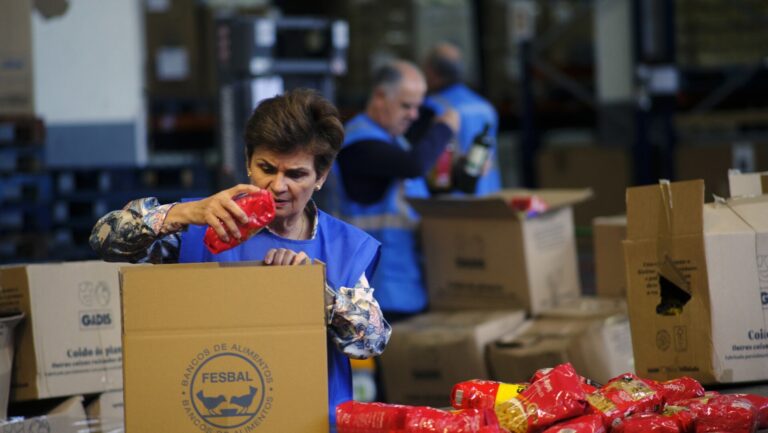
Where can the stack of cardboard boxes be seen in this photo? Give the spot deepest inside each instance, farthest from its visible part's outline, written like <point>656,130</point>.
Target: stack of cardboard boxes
<point>505,300</point>
<point>68,343</point>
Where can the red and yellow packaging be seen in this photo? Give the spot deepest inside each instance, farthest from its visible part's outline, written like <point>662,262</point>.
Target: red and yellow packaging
<point>623,396</point>
<point>556,396</point>
<point>483,394</point>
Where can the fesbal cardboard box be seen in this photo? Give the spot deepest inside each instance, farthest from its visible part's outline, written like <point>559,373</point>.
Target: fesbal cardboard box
<point>231,347</point>
<point>697,289</point>
<point>69,340</point>
<point>482,253</point>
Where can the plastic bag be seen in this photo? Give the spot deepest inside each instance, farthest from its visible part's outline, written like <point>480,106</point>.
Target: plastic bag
<point>681,388</point>
<point>357,417</point>
<point>722,413</point>
<point>554,397</point>
<point>260,208</point>
<point>623,396</point>
<point>431,420</point>
<point>483,394</point>
<point>584,424</point>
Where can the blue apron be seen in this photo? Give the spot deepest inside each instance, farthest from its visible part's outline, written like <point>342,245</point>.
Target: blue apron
<point>347,252</point>
<point>475,113</point>
<point>399,283</point>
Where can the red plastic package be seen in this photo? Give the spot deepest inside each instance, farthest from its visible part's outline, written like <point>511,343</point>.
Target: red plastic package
<point>761,404</point>
<point>589,386</point>
<point>623,396</point>
<point>431,420</point>
<point>260,208</point>
<point>583,424</point>
<point>530,204</point>
<point>483,394</point>
<point>647,423</point>
<point>722,413</point>
<point>681,388</point>
<point>357,417</point>
<point>556,396</point>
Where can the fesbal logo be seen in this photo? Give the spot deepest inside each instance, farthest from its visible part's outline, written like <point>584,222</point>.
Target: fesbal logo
<point>227,388</point>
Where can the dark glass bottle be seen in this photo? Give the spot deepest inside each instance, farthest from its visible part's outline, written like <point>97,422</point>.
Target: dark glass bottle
<point>474,162</point>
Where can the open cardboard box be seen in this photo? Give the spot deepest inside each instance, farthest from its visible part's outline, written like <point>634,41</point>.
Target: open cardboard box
<point>225,347</point>
<point>697,289</point>
<point>482,253</point>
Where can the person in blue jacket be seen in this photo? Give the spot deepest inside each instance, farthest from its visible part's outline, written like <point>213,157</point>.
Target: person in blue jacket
<point>378,168</point>
<point>444,72</point>
<point>291,142</point>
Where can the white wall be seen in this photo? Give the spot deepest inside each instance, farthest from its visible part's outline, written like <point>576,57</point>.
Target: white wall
<point>88,63</point>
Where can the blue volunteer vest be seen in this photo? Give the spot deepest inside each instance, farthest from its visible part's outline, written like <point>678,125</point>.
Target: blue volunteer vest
<point>475,112</point>
<point>347,253</point>
<point>398,280</point>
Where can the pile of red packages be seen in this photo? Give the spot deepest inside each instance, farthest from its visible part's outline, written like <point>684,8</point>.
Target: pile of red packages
<point>356,417</point>
<point>558,400</point>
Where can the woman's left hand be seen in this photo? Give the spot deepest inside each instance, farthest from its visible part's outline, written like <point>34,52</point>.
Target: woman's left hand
<point>285,257</point>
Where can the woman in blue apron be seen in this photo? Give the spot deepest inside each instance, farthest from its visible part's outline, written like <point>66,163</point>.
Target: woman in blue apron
<point>291,142</point>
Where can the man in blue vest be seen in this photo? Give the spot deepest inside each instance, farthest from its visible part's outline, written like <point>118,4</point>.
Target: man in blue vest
<point>444,72</point>
<point>378,168</point>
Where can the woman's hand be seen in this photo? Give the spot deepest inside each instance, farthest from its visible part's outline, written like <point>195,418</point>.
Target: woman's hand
<point>285,257</point>
<point>218,211</point>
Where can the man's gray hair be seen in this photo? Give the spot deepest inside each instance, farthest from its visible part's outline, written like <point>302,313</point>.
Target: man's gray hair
<point>389,75</point>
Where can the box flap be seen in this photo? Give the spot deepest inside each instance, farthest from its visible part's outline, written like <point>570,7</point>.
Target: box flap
<point>752,210</point>
<point>665,209</point>
<point>495,205</point>
<point>164,298</point>
<point>747,184</point>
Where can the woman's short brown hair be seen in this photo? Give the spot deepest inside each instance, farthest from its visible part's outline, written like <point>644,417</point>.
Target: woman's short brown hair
<point>298,120</point>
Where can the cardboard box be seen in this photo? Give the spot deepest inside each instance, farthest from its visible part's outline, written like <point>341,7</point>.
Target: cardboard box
<point>695,272</point>
<point>574,167</point>
<point>747,184</point>
<point>608,234</point>
<point>180,42</point>
<point>219,346</point>
<point>592,334</point>
<point>69,341</point>
<point>67,417</point>
<point>16,85</point>
<point>105,413</point>
<point>480,253</point>
<point>430,353</point>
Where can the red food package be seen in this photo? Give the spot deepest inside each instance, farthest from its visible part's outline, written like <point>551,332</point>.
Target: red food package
<point>589,386</point>
<point>530,204</point>
<point>431,420</point>
<point>483,394</point>
<point>761,405</point>
<point>356,417</point>
<point>680,389</point>
<point>583,424</point>
<point>623,396</point>
<point>722,413</point>
<point>556,396</point>
<point>260,208</point>
<point>647,422</point>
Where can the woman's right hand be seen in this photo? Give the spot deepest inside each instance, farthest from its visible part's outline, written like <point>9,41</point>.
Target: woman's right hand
<point>218,211</point>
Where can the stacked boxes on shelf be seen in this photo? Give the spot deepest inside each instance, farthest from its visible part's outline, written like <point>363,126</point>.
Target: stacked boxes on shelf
<point>82,196</point>
<point>25,190</point>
